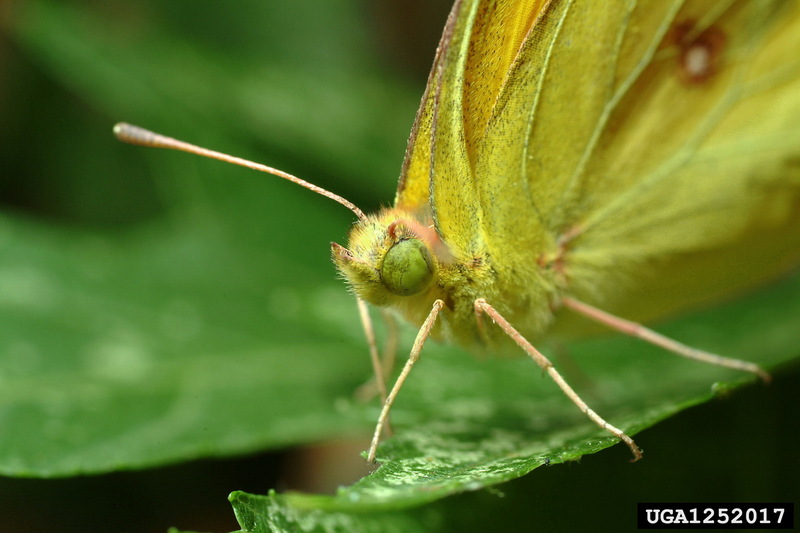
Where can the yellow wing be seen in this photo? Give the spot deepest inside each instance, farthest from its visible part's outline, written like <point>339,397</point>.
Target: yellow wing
<point>463,86</point>
<point>649,151</point>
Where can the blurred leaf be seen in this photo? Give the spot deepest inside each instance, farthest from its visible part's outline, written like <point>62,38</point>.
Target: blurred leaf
<point>162,350</point>
<point>128,349</point>
<point>331,107</point>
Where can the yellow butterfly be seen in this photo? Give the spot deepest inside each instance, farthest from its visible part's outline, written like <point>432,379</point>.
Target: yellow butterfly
<point>576,160</point>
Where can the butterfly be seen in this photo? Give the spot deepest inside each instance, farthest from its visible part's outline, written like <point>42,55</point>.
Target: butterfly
<point>614,161</point>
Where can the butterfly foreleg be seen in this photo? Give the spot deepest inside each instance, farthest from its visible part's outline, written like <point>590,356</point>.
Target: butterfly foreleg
<point>383,364</point>
<point>482,306</point>
<point>422,336</point>
<point>377,365</point>
<point>389,355</point>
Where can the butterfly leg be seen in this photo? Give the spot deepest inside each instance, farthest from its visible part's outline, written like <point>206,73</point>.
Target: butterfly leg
<point>390,347</point>
<point>637,330</point>
<point>377,366</point>
<point>482,306</point>
<point>422,335</point>
<point>382,365</point>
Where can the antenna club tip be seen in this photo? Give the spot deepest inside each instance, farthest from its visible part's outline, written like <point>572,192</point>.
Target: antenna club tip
<point>123,130</point>
<point>131,134</point>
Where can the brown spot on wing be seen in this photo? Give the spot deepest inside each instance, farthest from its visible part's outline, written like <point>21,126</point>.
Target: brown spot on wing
<point>699,51</point>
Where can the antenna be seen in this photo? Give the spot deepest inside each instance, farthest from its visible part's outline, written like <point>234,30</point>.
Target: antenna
<point>139,136</point>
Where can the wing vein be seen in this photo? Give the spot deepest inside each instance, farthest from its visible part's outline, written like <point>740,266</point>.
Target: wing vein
<point>681,157</point>
<point>617,97</point>
<point>527,148</point>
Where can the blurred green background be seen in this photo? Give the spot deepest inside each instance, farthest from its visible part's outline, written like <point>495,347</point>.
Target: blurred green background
<point>118,244</point>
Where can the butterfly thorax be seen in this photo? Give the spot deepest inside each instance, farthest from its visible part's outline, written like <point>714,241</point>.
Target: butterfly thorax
<point>397,259</point>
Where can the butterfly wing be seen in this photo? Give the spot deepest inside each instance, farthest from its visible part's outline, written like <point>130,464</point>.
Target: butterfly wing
<point>467,76</point>
<point>685,185</point>
<point>649,150</point>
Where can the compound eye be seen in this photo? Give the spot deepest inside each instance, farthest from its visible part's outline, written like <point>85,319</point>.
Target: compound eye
<point>407,267</point>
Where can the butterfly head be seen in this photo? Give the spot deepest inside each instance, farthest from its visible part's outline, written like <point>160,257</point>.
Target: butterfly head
<point>390,256</point>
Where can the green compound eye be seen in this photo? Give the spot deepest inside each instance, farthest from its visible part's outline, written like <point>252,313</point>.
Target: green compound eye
<point>407,267</point>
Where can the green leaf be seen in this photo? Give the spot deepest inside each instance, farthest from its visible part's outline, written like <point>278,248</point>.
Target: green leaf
<point>212,324</point>
<point>162,350</point>
<point>470,424</point>
<point>267,514</point>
